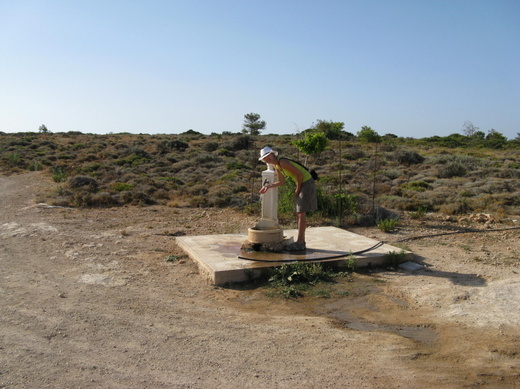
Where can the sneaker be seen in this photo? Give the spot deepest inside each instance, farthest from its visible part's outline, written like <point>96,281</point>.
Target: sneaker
<point>296,247</point>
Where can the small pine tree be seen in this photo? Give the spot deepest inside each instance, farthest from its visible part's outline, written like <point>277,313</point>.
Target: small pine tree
<point>252,124</point>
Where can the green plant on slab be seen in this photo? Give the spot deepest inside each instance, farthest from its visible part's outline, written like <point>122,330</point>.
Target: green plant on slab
<point>351,263</point>
<point>394,259</point>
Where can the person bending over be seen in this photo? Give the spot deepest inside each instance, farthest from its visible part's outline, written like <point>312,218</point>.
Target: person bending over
<point>305,194</point>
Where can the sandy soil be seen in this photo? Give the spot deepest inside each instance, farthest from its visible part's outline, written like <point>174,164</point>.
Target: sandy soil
<point>89,301</point>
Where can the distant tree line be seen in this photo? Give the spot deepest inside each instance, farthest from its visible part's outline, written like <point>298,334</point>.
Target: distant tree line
<point>315,139</point>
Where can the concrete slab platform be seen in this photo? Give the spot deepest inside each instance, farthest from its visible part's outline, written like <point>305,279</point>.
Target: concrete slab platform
<point>221,260</point>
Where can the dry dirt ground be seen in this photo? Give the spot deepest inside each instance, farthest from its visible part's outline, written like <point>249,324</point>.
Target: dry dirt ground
<point>89,301</point>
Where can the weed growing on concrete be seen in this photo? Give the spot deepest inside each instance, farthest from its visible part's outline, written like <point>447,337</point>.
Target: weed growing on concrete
<point>394,259</point>
<point>351,263</point>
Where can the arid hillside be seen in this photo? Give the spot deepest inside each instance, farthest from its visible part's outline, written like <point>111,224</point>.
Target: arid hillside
<point>360,182</point>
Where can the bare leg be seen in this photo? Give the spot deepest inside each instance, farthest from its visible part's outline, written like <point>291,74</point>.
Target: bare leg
<point>302,225</point>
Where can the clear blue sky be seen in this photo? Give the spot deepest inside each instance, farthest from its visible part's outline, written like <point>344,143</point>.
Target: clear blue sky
<point>414,68</point>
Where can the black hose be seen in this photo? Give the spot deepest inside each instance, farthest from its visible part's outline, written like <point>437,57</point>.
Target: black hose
<point>455,232</point>
<point>378,244</point>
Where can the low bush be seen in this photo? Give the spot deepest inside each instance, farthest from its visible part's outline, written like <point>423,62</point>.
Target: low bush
<point>459,207</point>
<point>15,159</point>
<point>84,182</point>
<point>407,157</point>
<point>387,225</point>
<point>211,146</point>
<point>419,213</point>
<point>454,169</point>
<point>336,205</point>
<point>417,186</point>
<point>122,187</point>
<point>394,259</point>
<point>220,196</point>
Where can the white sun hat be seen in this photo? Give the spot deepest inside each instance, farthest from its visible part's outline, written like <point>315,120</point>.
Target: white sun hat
<point>266,151</point>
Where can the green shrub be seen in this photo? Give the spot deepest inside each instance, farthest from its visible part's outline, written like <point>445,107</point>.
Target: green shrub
<point>122,186</point>
<point>336,205</point>
<point>161,194</point>
<point>104,199</point>
<point>133,160</point>
<point>408,157</point>
<point>220,195</point>
<point>243,142</point>
<point>456,208</point>
<point>211,146</point>
<point>387,225</point>
<point>225,153</point>
<point>36,166</point>
<point>293,279</point>
<point>78,146</point>
<point>135,198</point>
<point>173,180</point>
<point>394,259</point>
<point>207,160</point>
<point>395,202</point>
<point>136,151</point>
<point>286,198</point>
<point>59,173</point>
<point>419,213</point>
<point>15,159</point>
<point>167,146</point>
<point>417,186</point>
<point>351,263</point>
<point>84,182</point>
<point>230,177</point>
<point>454,169</point>
<point>92,167</point>
<point>66,156</point>
<point>181,165</point>
<point>392,174</point>
<point>354,154</point>
<point>198,201</point>
<point>82,199</point>
<point>299,272</point>
<point>198,189</point>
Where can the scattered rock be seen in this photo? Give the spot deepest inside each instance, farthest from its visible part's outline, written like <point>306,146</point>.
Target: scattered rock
<point>477,218</point>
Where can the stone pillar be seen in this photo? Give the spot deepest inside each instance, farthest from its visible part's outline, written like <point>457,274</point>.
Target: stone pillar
<point>269,201</point>
<point>267,235</point>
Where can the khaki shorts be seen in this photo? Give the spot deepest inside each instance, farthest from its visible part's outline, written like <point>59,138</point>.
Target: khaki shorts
<point>307,201</point>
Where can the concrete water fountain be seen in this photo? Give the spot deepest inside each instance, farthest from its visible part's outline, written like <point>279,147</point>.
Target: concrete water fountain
<point>228,258</point>
<point>267,235</point>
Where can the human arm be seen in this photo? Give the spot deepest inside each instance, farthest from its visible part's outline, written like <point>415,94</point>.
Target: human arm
<point>279,182</point>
